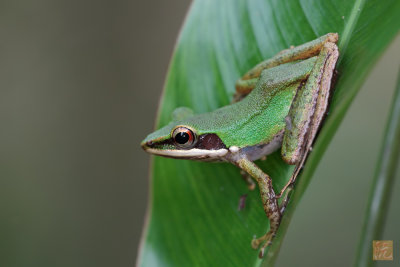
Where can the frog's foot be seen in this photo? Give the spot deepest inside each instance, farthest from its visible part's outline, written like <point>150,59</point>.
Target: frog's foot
<point>249,181</point>
<point>285,201</point>
<point>266,239</point>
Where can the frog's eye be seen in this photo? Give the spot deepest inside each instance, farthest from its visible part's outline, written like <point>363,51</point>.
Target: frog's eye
<point>184,137</point>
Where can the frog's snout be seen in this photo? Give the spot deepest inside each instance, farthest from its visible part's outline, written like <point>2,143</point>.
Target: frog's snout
<point>147,145</point>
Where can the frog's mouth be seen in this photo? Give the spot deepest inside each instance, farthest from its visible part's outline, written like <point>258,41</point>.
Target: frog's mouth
<point>194,153</point>
<point>207,147</point>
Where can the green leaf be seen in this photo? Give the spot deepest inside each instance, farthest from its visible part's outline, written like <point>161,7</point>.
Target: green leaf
<point>382,184</point>
<point>194,217</point>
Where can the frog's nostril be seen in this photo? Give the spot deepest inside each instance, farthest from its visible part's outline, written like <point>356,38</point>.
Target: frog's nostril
<point>146,145</point>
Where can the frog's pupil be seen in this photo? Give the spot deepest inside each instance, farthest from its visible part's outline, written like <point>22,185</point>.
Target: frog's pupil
<point>182,138</point>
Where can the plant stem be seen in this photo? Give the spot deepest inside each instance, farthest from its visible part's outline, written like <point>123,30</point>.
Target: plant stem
<point>382,184</point>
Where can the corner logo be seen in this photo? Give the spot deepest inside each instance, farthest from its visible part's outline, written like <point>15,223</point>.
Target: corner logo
<point>382,250</point>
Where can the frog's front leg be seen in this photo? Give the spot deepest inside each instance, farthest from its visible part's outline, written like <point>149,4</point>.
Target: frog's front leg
<point>268,198</point>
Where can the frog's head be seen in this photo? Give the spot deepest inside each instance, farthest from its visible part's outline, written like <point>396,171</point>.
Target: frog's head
<point>180,139</point>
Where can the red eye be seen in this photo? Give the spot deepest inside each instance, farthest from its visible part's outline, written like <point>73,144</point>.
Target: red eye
<point>183,137</point>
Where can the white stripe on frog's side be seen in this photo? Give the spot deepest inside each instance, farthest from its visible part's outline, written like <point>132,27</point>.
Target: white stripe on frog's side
<point>232,154</point>
<point>193,153</point>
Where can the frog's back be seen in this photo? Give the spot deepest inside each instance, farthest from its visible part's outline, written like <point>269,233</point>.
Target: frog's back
<point>260,116</point>
<point>257,119</point>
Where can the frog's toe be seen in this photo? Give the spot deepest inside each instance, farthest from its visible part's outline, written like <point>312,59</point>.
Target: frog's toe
<point>255,243</point>
<point>249,181</point>
<point>266,239</point>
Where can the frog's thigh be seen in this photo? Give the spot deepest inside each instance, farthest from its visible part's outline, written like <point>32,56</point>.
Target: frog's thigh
<point>309,107</point>
<point>303,51</point>
<point>248,82</point>
<point>277,77</point>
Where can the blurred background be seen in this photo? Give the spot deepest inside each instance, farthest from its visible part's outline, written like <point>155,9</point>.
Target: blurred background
<point>80,84</point>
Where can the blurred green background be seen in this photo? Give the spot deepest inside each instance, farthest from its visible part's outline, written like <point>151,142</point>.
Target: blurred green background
<point>80,83</point>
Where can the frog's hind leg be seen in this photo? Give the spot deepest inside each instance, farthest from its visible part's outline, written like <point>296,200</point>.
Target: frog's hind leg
<point>308,111</point>
<point>249,80</point>
<point>303,51</point>
<point>285,200</point>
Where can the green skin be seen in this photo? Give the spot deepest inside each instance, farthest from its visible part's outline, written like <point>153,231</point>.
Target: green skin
<point>279,103</point>
<point>240,124</point>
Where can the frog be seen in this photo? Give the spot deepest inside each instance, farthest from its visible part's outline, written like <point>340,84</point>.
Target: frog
<point>280,103</point>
